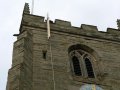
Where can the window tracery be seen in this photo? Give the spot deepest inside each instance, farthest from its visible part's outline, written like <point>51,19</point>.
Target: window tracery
<point>81,63</point>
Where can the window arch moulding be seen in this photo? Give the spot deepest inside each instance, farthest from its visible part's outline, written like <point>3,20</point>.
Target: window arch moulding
<point>81,52</point>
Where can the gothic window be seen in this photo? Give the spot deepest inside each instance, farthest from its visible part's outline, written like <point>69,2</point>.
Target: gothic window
<point>89,68</point>
<point>76,66</point>
<point>82,63</point>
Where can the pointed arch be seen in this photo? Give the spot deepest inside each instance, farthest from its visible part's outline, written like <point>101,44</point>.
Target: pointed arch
<point>89,68</point>
<point>83,61</point>
<point>85,48</point>
<point>76,66</point>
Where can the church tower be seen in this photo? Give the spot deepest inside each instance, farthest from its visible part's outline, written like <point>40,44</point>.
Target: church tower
<point>74,58</point>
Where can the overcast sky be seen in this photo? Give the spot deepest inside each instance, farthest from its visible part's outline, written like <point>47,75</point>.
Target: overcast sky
<point>102,13</point>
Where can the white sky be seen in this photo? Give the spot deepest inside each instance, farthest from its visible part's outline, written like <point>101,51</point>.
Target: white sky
<point>102,13</point>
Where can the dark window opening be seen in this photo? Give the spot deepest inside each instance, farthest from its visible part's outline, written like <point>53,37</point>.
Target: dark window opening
<point>76,66</point>
<point>44,54</point>
<point>89,68</point>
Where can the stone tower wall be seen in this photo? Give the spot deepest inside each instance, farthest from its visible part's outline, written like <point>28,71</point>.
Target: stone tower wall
<point>35,72</point>
<point>20,74</point>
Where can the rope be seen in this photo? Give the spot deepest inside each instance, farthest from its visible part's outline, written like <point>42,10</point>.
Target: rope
<point>53,73</point>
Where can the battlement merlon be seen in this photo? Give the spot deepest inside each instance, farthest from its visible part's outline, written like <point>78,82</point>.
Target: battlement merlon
<point>66,27</point>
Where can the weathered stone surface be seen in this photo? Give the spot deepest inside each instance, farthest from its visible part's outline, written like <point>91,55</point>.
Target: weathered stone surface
<point>89,28</point>
<point>62,23</point>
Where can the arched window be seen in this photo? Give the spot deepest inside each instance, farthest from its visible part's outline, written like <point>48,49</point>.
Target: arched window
<point>89,68</point>
<point>76,66</point>
<point>83,60</point>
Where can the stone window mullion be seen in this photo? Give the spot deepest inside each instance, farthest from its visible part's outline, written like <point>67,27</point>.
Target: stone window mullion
<point>84,71</point>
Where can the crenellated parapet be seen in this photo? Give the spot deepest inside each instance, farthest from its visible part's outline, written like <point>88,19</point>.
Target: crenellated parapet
<point>66,27</point>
